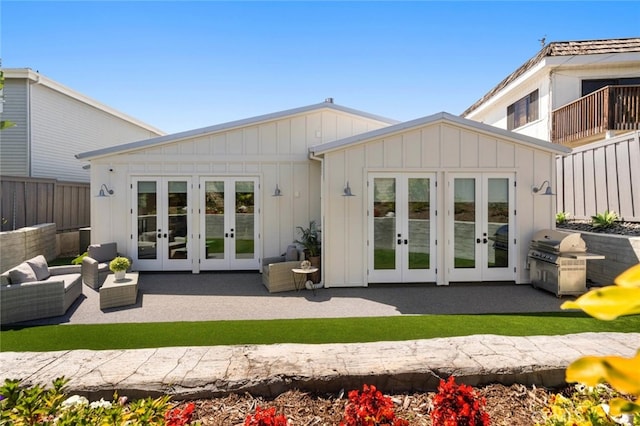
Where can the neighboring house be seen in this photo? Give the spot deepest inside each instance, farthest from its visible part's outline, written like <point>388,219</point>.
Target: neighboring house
<point>437,199</point>
<point>570,93</point>
<point>53,122</point>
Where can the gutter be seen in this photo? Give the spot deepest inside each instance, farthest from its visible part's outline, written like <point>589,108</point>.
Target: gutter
<point>314,157</point>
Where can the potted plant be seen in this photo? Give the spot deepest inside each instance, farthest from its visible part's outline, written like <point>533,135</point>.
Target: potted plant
<point>310,240</point>
<point>119,266</point>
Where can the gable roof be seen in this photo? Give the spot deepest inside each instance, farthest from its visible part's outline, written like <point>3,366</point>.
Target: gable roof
<point>444,117</point>
<point>563,48</point>
<point>37,78</point>
<point>228,126</point>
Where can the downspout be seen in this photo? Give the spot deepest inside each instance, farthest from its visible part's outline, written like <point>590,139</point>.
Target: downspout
<point>314,157</point>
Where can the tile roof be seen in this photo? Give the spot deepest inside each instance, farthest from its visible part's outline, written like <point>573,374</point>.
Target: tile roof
<point>563,48</point>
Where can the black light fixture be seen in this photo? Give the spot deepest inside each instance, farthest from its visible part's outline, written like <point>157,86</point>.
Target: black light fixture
<point>104,191</point>
<point>277,192</point>
<point>548,191</point>
<point>347,191</point>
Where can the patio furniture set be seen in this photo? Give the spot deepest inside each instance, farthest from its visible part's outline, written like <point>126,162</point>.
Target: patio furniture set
<point>34,290</point>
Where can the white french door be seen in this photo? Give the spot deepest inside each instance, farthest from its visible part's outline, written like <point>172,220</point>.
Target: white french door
<point>401,227</point>
<point>162,218</point>
<point>228,223</point>
<point>480,239</point>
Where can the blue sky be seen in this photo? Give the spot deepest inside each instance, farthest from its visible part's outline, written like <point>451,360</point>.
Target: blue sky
<point>184,65</point>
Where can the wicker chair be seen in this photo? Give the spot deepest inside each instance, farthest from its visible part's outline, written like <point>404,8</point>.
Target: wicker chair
<point>95,266</point>
<point>276,271</point>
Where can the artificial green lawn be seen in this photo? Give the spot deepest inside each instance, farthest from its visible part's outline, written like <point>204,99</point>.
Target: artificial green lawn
<point>338,330</point>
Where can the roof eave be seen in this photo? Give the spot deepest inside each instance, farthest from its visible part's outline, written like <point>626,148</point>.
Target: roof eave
<point>132,146</point>
<point>320,150</point>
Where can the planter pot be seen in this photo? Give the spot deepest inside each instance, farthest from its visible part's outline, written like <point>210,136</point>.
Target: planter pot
<point>119,275</point>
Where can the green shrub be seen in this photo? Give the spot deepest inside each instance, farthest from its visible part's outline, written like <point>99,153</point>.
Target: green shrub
<point>22,405</point>
<point>604,220</point>
<point>562,217</point>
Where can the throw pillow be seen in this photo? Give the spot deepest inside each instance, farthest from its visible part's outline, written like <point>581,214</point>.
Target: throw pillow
<point>22,274</point>
<point>40,267</point>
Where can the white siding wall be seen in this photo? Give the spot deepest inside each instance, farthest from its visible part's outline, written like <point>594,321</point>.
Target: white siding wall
<point>438,148</point>
<point>276,152</point>
<point>62,127</point>
<point>14,153</point>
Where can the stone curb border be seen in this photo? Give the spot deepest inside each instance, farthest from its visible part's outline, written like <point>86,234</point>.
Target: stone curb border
<point>268,370</point>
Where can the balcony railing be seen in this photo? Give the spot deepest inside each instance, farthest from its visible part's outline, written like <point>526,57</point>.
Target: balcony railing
<point>610,108</point>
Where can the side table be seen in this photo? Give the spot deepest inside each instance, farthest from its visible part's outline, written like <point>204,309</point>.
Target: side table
<point>300,276</point>
<point>114,293</point>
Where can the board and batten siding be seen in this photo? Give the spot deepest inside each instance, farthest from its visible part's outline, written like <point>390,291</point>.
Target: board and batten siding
<point>436,148</point>
<point>14,149</point>
<point>62,126</point>
<point>601,176</point>
<point>275,151</point>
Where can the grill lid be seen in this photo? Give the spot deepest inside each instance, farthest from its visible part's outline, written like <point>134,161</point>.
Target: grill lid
<point>558,241</point>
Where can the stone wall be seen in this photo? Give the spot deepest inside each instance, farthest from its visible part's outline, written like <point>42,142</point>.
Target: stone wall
<point>621,253</point>
<point>25,243</point>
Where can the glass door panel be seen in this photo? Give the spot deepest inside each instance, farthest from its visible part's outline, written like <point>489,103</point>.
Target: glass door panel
<point>177,220</point>
<point>384,223</point>
<point>464,223</point>
<point>498,222</point>
<point>245,220</point>
<point>147,219</point>
<point>419,223</point>
<point>214,220</point>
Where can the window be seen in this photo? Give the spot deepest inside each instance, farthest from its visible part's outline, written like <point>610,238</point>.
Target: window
<point>523,111</point>
<point>589,86</point>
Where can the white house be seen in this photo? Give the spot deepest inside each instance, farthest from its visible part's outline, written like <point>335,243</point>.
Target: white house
<point>570,93</point>
<point>204,199</point>
<point>437,199</point>
<point>54,122</point>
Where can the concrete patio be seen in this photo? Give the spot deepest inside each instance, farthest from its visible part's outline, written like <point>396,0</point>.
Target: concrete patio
<point>241,296</point>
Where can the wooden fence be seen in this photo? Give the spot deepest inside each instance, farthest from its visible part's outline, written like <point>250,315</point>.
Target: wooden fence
<point>30,201</point>
<point>601,176</point>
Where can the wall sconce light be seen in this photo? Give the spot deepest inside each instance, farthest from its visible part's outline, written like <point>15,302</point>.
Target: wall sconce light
<point>548,191</point>
<point>277,192</point>
<point>347,191</point>
<point>104,191</point>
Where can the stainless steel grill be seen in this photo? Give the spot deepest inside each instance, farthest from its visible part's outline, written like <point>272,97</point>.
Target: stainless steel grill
<point>558,262</point>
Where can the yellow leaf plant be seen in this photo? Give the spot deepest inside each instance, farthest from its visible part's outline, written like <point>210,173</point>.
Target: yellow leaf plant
<point>623,374</point>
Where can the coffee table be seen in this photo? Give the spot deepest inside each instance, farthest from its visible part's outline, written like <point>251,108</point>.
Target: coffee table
<point>115,293</point>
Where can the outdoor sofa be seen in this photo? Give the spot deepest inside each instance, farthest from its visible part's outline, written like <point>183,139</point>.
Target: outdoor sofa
<point>34,290</point>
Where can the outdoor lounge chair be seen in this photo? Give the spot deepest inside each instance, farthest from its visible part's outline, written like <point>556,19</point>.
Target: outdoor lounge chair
<point>95,266</point>
<point>276,271</point>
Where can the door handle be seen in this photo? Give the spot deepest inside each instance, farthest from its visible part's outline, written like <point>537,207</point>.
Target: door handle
<point>231,235</point>
<point>165,235</point>
<point>399,241</point>
<point>406,241</point>
<point>478,241</point>
<point>484,240</point>
<point>226,235</point>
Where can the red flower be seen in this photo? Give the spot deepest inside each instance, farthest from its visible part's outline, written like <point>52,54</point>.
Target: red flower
<point>265,418</point>
<point>178,417</point>
<point>371,408</point>
<point>458,405</point>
